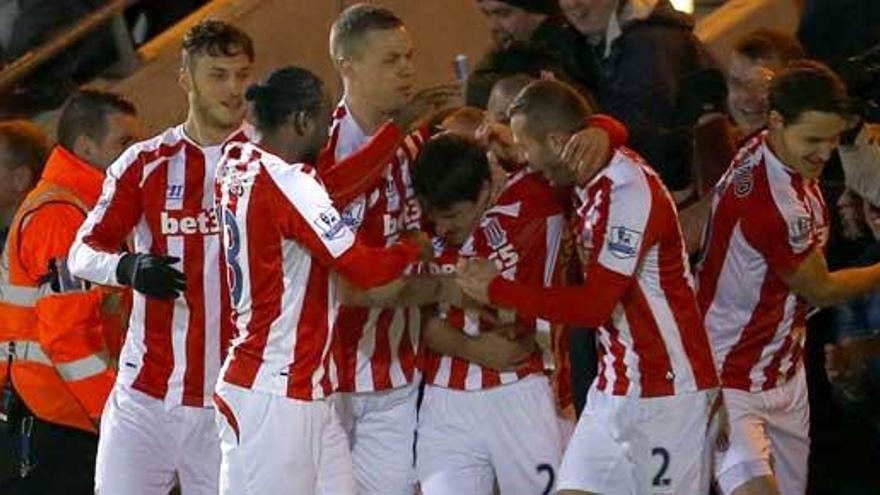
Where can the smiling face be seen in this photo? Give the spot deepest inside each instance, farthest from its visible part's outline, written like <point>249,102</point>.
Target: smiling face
<point>748,86</point>
<point>215,88</point>
<point>807,144</point>
<point>540,152</point>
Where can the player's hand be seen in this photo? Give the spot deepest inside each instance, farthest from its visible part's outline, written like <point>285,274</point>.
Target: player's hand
<point>719,422</point>
<point>422,240</point>
<point>510,331</point>
<point>502,354</point>
<point>474,276</point>
<point>586,151</point>
<point>424,103</point>
<point>869,135</point>
<point>498,139</point>
<point>845,362</point>
<point>151,275</point>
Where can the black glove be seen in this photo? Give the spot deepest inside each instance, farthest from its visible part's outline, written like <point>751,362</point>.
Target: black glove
<point>151,275</point>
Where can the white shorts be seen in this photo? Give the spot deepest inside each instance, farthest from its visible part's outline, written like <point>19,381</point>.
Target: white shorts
<point>144,449</point>
<point>274,444</point>
<point>381,430</point>
<point>467,439</point>
<point>769,434</point>
<point>630,445</point>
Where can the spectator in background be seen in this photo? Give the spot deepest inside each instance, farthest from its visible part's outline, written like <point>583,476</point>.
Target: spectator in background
<point>34,23</point>
<point>23,151</point>
<point>541,23</point>
<point>833,30</point>
<point>755,59</point>
<point>645,50</point>
<point>60,372</point>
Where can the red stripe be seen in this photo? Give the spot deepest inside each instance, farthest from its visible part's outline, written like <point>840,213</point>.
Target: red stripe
<point>224,409</point>
<point>458,369</point>
<point>621,381</point>
<point>680,296</point>
<point>312,333</point>
<point>348,330</point>
<point>158,360</point>
<point>405,352</point>
<point>601,379</point>
<point>266,285</point>
<point>490,378</point>
<point>789,345</point>
<point>380,363</point>
<point>194,267</point>
<point>756,334</point>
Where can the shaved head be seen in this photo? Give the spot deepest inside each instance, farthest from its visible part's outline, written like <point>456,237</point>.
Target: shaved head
<point>552,106</point>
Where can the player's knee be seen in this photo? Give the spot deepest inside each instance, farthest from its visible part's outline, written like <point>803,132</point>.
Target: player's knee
<point>764,485</point>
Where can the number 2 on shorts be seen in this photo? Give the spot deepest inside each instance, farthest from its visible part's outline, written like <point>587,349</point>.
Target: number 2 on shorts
<point>660,478</point>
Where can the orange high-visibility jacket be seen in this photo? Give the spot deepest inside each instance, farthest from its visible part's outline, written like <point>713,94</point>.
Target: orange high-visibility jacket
<point>61,366</point>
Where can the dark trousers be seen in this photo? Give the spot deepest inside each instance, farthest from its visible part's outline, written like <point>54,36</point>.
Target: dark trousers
<point>584,364</point>
<point>63,458</point>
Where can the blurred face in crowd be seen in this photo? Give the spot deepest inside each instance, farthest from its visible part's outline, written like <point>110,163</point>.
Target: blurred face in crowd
<point>215,88</point>
<point>455,223</point>
<point>122,130</point>
<point>808,142</point>
<point>748,85</point>
<point>15,179</point>
<point>542,153</point>
<point>380,69</point>
<point>509,23</point>
<point>590,17</point>
<point>872,218</point>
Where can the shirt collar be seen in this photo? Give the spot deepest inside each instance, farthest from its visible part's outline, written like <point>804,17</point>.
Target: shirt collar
<point>73,173</point>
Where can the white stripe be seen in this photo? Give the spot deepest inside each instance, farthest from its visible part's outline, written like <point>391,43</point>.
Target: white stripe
<point>443,372</point>
<point>474,378</point>
<point>179,326</point>
<point>396,332</point>
<point>630,358</point>
<point>733,304</point>
<point>363,379</point>
<point>666,323</point>
<point>756,374</point>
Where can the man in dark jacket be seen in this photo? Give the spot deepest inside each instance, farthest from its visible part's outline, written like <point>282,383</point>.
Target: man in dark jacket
<point>539,23</point>
<point>647,51</point>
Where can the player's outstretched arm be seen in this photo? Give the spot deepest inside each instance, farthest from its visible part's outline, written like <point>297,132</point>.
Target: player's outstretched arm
<point>812,281</point>
<point>480,280</point>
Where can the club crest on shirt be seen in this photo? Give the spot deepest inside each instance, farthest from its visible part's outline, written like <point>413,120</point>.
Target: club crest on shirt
<point>623,242</point>
<point>329,224</point>
<point>743,181</point>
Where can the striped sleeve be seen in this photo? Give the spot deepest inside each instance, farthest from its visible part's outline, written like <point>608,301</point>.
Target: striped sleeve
<point>98,245</point>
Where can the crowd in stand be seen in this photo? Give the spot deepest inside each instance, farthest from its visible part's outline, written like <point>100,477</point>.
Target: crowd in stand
<point>601,265</point>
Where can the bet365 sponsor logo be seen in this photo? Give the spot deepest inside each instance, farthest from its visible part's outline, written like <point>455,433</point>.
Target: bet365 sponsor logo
<point>179,223</point>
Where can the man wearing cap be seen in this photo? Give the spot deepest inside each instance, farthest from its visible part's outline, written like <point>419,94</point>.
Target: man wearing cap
<point>541,23</point>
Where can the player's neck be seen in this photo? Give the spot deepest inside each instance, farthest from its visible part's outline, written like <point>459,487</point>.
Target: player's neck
<point>289,152</point>
<point>203,134</point>
<point>367,116</point>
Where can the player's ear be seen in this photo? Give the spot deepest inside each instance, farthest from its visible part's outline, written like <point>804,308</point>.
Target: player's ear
<point>302,123</point>
<point>557,141</point>
<point>775,120</point>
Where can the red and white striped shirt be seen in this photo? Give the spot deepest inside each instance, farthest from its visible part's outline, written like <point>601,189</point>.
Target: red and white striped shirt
<point>766,219</point>
<point>522,233</point>
<point>376,348</point>
<point>161,191</point>
<point>283,237</point>
<point>637,290</point>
